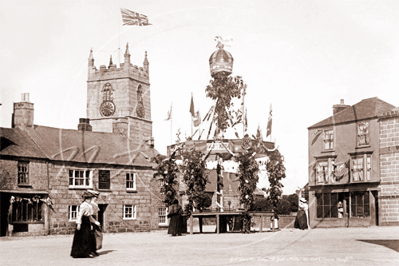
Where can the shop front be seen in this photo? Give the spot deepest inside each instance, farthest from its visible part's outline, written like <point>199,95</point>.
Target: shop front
<point>352,206</point>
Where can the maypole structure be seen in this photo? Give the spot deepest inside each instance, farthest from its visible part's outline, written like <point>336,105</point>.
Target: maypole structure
<point>198,158</point>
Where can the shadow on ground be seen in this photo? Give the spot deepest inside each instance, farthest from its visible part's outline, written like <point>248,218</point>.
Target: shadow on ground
<point>389,243</point>
<point>104,252</point>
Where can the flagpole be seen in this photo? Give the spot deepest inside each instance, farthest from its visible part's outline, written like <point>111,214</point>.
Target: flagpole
<point>119,47</point>
<point>272,122</point>
<point>243,114</point>
<point>191,117</point>
<point>171,119</point>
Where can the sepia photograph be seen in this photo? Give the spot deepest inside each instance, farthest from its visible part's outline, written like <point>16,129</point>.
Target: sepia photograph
<point>208,132</point>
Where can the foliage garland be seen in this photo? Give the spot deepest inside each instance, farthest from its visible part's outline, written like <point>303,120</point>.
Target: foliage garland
<point>167,170</point>
<point>223,89</point>
<point>195,176</point>
<point>248,178</point>
<point>276,171</point>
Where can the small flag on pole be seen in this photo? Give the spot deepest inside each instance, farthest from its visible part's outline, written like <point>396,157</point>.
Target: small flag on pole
<point>192,106</point>
<point>197,119</point>
<point>269,122</point>
<point>316,135</point>
<point>245,120</point>
<point>132,18</point>
<point>169,115</point>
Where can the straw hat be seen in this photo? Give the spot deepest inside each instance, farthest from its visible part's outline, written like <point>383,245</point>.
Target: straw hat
<point>94,193</point>
<point>303,200</point>
<point>87,195</point>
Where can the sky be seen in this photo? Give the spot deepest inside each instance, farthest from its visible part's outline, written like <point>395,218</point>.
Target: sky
<point>300,56</point>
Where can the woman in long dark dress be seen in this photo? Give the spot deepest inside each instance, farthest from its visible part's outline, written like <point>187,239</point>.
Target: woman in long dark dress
<point>95,225</point>
<point>301,220</point>
<point>175,212</point>
<point>82,245</point>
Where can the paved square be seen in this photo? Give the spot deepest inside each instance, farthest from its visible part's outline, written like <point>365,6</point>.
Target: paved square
<point>333,246</point>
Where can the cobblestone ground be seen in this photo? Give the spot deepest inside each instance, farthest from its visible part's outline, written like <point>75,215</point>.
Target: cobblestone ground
<point>335,246</point>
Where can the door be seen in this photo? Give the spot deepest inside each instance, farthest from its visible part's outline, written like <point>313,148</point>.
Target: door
<point>4,206</point>
<point>375,194</point>
<point>101,211</point>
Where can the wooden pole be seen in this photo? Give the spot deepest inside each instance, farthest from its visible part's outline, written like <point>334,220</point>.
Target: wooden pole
<point>191,224</point>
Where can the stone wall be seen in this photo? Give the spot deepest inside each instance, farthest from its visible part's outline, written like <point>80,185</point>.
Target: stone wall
<point>37,175</point>
<point>113,200</point>
<point>389,161</point>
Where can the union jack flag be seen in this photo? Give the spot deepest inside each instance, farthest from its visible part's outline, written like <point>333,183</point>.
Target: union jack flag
<point>133,18</point>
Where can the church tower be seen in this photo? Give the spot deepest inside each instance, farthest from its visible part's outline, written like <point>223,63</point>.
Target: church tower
<point>118,99</point>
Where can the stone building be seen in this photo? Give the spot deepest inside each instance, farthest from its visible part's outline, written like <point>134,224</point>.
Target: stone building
<point>346,177</point>
<point>118,99</point>
<point>45,170</point>
<point>389,165</point>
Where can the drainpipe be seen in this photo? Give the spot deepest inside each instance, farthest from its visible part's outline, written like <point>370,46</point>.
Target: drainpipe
<point>47,213</point>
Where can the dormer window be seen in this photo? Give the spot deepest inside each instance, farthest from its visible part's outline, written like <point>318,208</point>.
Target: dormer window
<point>363,138</point>
<point>329,139</point>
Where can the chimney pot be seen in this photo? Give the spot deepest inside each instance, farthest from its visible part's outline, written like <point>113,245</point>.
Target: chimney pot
<point>84,124</point>
<point>24,97</point>
<point>342,101</point>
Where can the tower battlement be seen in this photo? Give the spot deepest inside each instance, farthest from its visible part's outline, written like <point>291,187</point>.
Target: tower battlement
<point>118,98</point>
<point>126,69</point>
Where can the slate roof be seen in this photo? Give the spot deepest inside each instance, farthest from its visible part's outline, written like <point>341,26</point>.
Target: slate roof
<point>16,142</point>
<point>78,146</point>
<point>366,109</point>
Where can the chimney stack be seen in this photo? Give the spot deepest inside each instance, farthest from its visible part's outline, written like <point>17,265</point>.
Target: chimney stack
<point>23,113</point>
<point>84,124</point>
<point>339,107</point>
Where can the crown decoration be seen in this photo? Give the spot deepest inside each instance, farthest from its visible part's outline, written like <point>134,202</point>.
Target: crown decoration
<point>221,61</point>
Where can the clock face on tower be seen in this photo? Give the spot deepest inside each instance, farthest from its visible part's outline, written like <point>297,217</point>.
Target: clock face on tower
<point>107,108</point>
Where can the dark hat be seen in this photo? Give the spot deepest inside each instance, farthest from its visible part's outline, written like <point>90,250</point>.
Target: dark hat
<point>87,195</point>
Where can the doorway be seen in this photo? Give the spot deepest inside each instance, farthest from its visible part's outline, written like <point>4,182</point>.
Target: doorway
<point>101,211</point>
<point>4,206</point>
<point>375,194</point>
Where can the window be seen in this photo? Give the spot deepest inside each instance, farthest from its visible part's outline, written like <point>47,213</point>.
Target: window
<point>80,179</point>
<point>129,212</point>
<point>27,210</point>
<point>163,214</point>
<point>107,92</point>
<point>360,204</point>
<point>329,139</point>
<point>131,181</point>
<point>23,173</point>
<point>363,134</point>
<point>324,174</point>
<point>361,168</point>
<point>327,205</point>
<point>104,179</point>
<point>73,212</point>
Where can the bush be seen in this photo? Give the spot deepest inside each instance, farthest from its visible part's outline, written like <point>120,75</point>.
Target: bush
<point>283,207</point>
<point>261,205</point>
